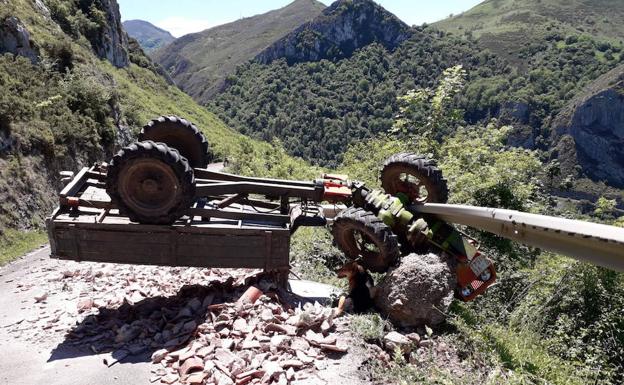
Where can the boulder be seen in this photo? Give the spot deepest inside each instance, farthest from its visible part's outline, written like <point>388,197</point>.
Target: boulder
<point>417,292</point>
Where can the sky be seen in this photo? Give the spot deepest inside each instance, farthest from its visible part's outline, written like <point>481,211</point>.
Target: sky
<point>181,17</point>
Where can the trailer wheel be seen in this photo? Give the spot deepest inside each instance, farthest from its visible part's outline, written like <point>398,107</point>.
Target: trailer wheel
<point>358,232</point>
<point>180,134</point>
<point>151,183</point>
<point>415,176</point>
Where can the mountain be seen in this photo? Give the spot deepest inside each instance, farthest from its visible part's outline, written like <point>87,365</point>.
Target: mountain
<point>319,108</point>
<point>200,62</point>
<point>149,36</point>
<point>508,27</point>
<point>341,29</point>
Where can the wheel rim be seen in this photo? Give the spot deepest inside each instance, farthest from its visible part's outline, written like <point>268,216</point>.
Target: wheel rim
<point>362,244</point>
<point>410,184</point>
<point>149,187</point>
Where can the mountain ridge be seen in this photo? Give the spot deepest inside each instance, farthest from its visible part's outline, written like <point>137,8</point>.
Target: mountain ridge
<point>200,62</point>
<point>341,29</point>
<point>149,36</point>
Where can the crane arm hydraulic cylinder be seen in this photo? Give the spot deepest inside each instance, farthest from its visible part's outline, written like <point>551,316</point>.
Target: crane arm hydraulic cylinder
<point>599,244</point>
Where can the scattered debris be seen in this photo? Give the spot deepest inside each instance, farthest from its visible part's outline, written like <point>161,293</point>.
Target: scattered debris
<point>394,340</point>
<point>199,326</point>
<point>40,296</point>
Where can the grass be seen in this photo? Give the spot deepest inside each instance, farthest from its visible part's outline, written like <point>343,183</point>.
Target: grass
<point>14,244</point>
<point>522,354</point>
<point>313,256</point>
<point>370,327</point>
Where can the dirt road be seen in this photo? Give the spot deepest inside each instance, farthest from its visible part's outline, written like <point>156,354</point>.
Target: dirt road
<point>29,357</point>
<point>51,328</point>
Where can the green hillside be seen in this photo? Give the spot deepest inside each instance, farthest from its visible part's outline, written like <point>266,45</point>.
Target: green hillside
<point>318,108</point>
<point>507,27</point>
<point>70,109</point>
<point>200,62</point>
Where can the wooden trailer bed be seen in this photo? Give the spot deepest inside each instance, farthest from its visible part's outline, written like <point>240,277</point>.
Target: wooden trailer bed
<point>86,227</point>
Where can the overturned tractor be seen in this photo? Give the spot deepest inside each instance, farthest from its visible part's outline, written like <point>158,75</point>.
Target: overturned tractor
<point>158,202</point>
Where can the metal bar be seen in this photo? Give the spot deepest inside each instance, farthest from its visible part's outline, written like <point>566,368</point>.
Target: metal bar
<point>75,185</point>
<point>88,203</point>
<point>592,242</point>
<point>230,200</point>
<point>201,173</point>
<point>239,215</point>
<point>306,192</point>
<point>100,217</point>
<point>96,175</point>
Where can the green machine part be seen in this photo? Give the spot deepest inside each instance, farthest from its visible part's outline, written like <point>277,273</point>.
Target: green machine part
<point>445,236</point>
<point>393,212</point>
<point>390,209</point>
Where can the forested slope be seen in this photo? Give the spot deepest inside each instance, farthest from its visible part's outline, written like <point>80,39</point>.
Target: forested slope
<point>318,108</point>
<point>199,62</point>
<point>507,27</point>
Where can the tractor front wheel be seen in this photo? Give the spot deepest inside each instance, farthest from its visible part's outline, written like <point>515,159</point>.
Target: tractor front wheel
<point>359,233</point>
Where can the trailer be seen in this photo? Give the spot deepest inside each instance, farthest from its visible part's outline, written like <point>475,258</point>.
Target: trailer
<point>218,232</point>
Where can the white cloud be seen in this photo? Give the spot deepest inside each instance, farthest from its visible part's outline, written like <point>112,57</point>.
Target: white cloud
<point>179,26</point>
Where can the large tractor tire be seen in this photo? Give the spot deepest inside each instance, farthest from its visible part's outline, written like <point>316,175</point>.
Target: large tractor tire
<point>180,134</point>
<point>415,176</point>
<point>358,232</point>
<point>151,183</point>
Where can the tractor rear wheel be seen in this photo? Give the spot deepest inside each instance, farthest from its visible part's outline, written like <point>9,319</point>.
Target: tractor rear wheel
<point>358,232</point>
<point>150,183</point>
<point>415,176</point>
<point>180,134</point>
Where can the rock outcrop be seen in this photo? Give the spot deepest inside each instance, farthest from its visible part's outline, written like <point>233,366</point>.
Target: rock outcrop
<point>111,42</point>
<point>15,39</point>
<point>418,292</point>
<point>342,28</point>
<point>595,120</point>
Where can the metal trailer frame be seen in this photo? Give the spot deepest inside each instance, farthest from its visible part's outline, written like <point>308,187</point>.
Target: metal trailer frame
<point>228,227</point>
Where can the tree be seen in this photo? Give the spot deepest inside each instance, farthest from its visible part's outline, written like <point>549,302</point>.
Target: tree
<point>427,114</point>
<point>605,208</point>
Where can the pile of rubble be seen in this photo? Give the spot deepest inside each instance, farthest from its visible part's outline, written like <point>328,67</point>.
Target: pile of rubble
<point>62,294</point>
<point>199,326</point>
<point>257,343</point>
